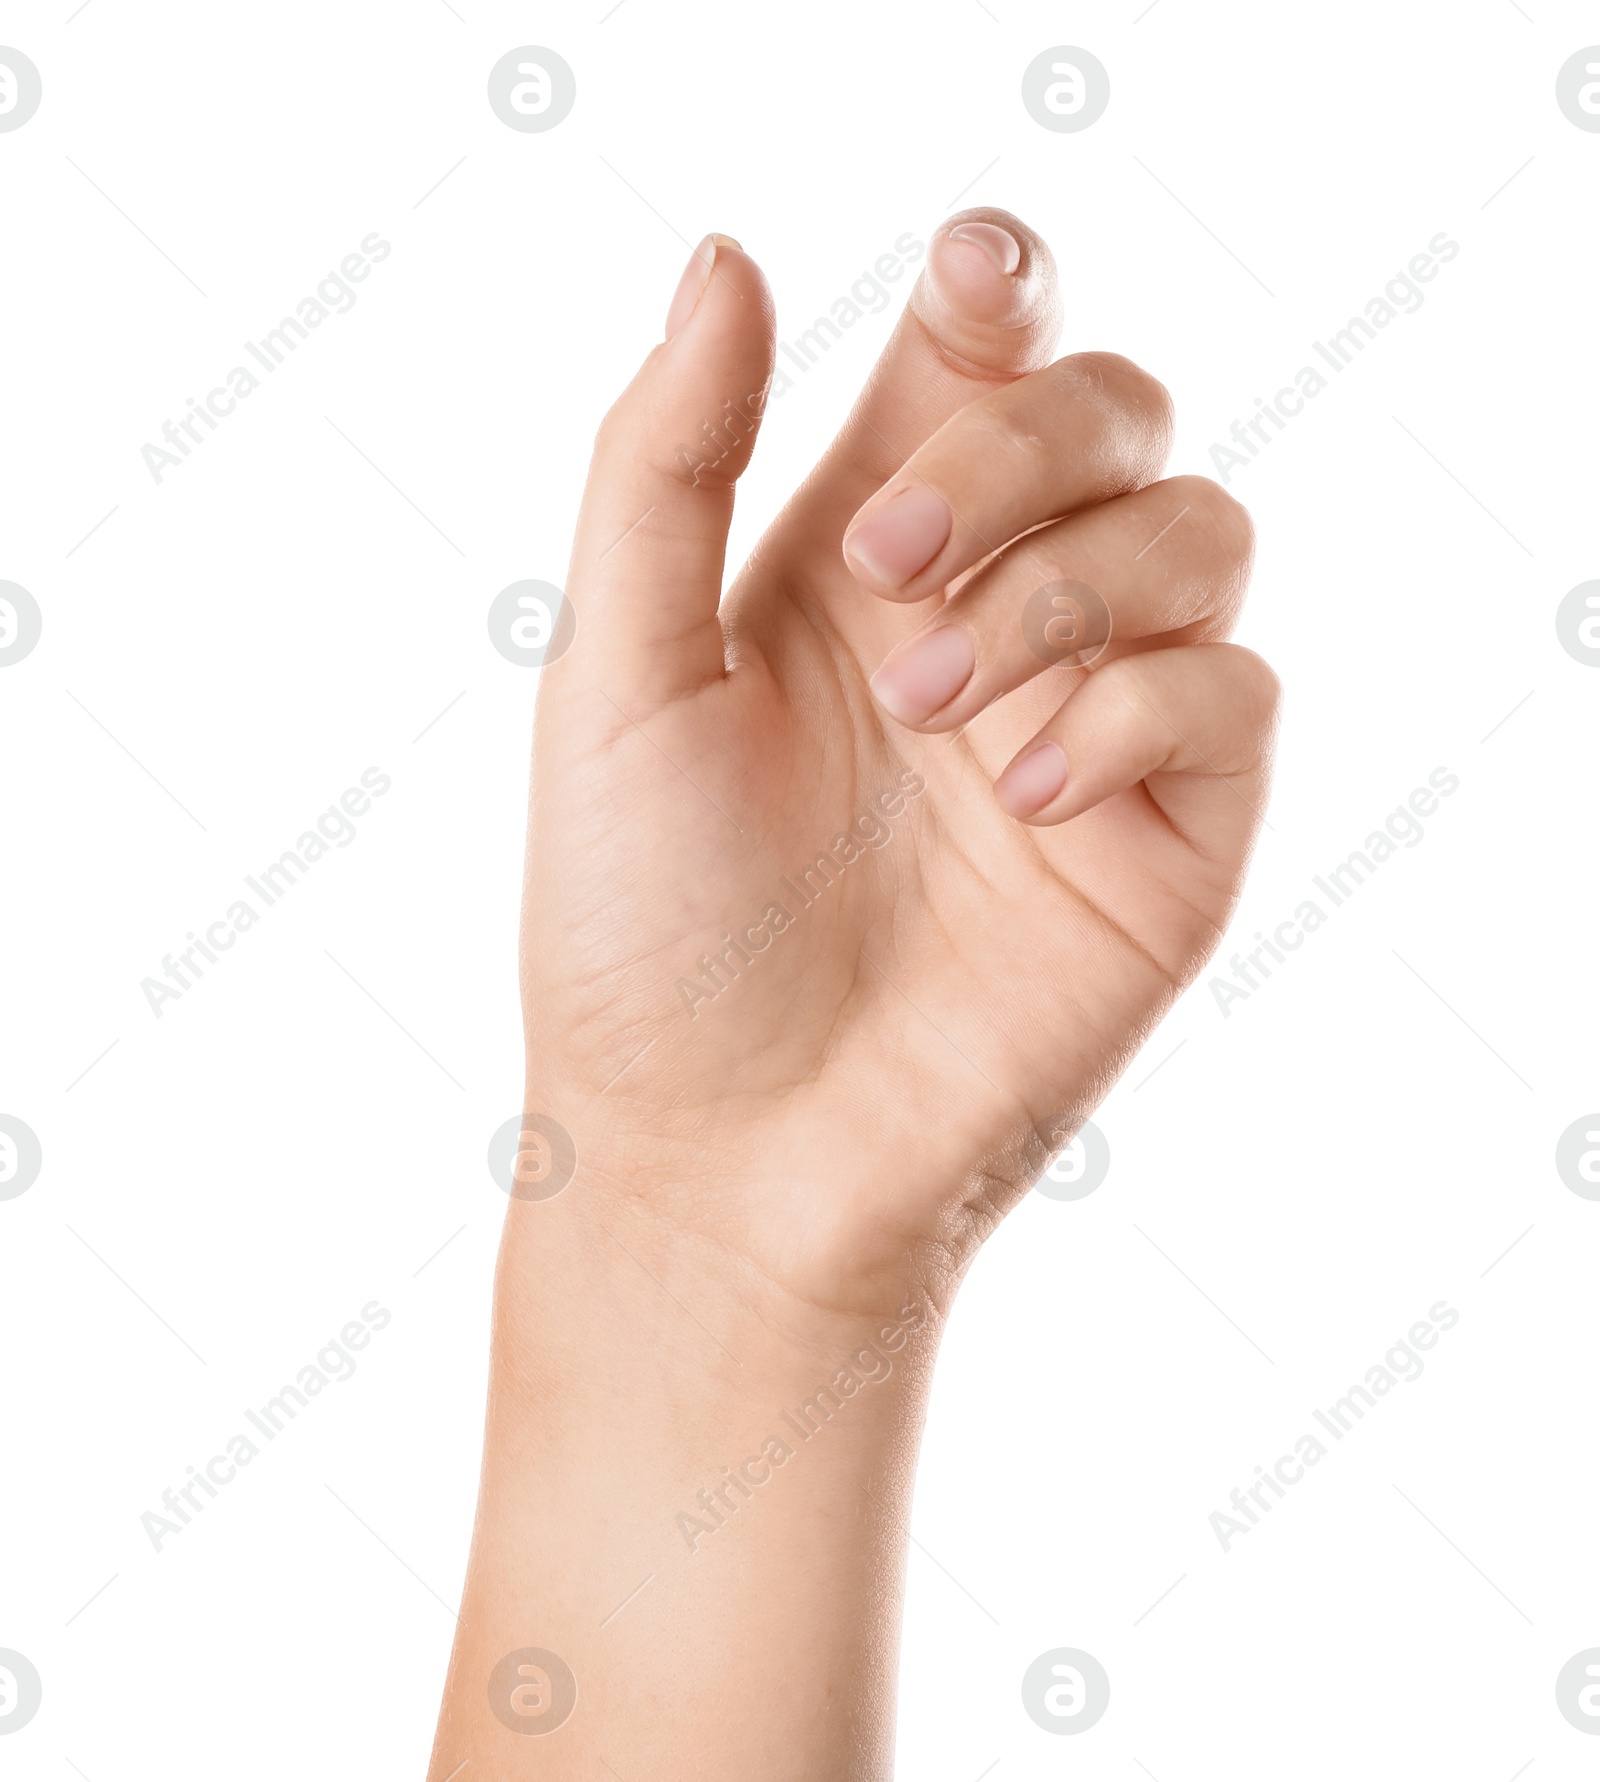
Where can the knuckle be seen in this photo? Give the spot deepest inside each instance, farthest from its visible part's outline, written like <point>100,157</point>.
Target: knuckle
<point>1266,687</point>
<point>613,429</point>
<point>1126,383</point>
<point>1255,696</point>
<point>1125,712</point>
<point>1224,522</point>
<point>1136,404</point>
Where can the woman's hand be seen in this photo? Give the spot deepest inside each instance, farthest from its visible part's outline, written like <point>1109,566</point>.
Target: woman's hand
<point>845,906</point>
<point>816,973</point>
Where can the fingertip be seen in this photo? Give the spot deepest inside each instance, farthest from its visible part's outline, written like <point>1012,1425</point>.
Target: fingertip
<point>990,289</point>
<point>720,277</point>
<point>1033,782</point>
<point>888,547</point>
<point>695,406</point>
<point>689,418</point>
<point>919,678</point>
<point>998,246</point>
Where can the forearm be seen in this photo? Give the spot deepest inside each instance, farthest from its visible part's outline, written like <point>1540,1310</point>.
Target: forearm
<point>695,1494</point>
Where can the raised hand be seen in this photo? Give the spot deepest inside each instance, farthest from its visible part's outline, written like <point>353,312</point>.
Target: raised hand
<point>849,893</point>
<point>853,862</point>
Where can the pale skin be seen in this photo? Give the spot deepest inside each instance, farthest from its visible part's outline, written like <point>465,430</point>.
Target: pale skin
<point>786,1164</point>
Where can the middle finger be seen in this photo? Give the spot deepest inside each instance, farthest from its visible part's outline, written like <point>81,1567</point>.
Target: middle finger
<point>1167,562</point>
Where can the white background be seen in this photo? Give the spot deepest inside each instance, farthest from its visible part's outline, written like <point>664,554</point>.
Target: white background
<point>301,1133</point>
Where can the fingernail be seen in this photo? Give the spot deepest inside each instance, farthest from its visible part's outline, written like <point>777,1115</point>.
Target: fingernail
<point>1032,780</point>
<point>921,676</point>
<point>999,244</point>
<point>903,536</point>
<point>696,276</point>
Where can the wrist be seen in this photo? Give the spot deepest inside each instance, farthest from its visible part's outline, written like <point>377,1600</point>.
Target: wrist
<point>665,1436</point>
<point>600,1290</point>
<point>798,1228</point>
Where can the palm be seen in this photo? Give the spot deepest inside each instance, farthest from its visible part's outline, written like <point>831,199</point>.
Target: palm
<point>763,911</point>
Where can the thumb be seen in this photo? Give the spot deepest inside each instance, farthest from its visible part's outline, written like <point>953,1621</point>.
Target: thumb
<point>646,571</point>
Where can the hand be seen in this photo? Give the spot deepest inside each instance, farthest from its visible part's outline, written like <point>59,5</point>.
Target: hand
<point>816,973</point>
<point>841,1081</point>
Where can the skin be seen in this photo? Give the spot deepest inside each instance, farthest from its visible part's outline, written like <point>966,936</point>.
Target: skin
<point>781,1181</point>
